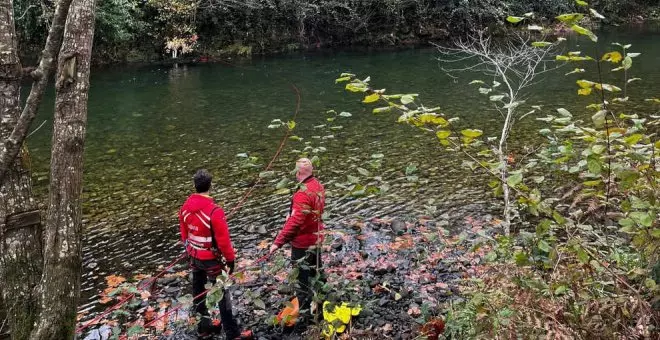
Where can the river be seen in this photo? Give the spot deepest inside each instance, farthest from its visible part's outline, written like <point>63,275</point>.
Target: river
<point>151,127</point>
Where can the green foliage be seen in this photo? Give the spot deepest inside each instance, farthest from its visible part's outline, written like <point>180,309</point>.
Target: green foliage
<point>592,255</point>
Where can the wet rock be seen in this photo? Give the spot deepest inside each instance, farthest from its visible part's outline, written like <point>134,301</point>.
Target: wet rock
<point>383,301</point>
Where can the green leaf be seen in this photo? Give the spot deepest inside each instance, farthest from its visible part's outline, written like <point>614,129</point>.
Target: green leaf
<point>496,98</point>
<point>595,14</point>
<point>582,255</point>
<point>584,31</point>
<point>563,112</point>
<point>607,87</point>
<point>356,87</point>
<point>135,330</point>
<point>633,54</point>
<point>594,165</point>
<point>570,18</point>
<point>514,20</point>
<point>484,90</point>
<point>642,218</point>
<point>561,290</point>
<point>282,191</point>
<point>471,133</point>
<point>353,179</point>
<point>259,304</point>
<point>521,258</point>
<point>581,3</point>
<point>599,118</point>
<point>443,134</point>
<point>382,109</point>
<point>291,125</point>
<point>407,99</point>
<point>577,70</point>
<point>627,63</point>
<point>295,138</point>
<point>364,172</point>
<point>377,156</point>
<point>397,297</point>
<point>476,82</point>
<point>514,179</point>
<point>345,114</point>
<point>342,79</point>
<point>282,183</point>
<point>558,218</point>
<point>266,174</point>
<point>541,44</point>
<point>598,149</point>
<point>633,139</point>
<point>543,246</point>
<point>371,98</point>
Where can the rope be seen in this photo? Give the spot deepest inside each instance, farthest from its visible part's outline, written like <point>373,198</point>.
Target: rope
<point>173,310</point>
<point>238,205</point>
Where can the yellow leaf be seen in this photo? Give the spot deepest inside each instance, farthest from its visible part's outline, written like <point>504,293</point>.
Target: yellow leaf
<point>584,92</point>
<point>341,329</point>
<point>371,98</point>
<point>613,57</point>
<point>585,84</point>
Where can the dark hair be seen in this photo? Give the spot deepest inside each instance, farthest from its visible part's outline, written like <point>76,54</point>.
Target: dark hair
<point>202,180</point>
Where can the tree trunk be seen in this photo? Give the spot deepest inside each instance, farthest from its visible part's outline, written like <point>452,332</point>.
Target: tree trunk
<point>60,284</point>
<point>13,143</point>
<point>20,235</point>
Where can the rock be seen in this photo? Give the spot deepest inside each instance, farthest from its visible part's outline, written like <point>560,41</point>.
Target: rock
<point>366,313</point>
<point>262,230</point>
<point>381,271</point>
<point>383,301</point>
<point>418,300</point>
<point>398,226</point>
<point>237,293</point>
<point>166,280</point>
<point>172,289</point>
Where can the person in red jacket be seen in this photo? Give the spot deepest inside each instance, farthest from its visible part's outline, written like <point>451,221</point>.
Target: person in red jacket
<point>205,234</point>
<point>303,229</point>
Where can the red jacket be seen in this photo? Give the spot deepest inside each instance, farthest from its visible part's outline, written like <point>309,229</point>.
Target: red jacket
<point>196,217</point>
<point>303,226</point>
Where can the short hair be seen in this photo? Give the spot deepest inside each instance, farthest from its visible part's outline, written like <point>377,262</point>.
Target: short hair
<point>202,180</point>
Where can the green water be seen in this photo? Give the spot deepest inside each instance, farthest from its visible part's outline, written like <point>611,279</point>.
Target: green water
<point>151,127</point>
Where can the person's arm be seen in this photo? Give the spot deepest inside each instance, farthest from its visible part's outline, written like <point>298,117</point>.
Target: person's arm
<point>292,225</point>
<point>221,235</point>
<point>183,229</point>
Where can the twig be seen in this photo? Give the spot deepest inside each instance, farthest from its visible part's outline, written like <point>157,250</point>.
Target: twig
<point>37,129</point>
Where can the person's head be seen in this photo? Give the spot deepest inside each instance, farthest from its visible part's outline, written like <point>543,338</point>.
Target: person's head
<point>202,181</point>
<point>304,168</point>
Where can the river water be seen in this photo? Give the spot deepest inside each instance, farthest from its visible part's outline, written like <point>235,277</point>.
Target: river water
<point>151,127</point>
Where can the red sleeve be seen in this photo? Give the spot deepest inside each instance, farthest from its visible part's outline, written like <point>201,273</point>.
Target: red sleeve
<point>183,229</point>
<point>221,234</point>
<point>295,221</point>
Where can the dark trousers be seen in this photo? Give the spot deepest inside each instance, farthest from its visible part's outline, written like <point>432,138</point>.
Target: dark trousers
<point>206,271</point>
<point>306,261</point>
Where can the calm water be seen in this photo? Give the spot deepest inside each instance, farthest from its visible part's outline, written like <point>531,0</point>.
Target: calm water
<point>151,127</point>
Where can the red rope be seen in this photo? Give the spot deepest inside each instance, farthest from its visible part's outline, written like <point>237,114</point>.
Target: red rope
<point>231,213</point>
<point>173,310</point>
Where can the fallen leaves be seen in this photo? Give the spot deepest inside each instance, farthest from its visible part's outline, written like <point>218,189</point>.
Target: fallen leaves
<point>114,280</point>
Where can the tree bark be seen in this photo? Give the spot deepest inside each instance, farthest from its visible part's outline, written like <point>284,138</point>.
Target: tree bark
<point>20,234</point>
<point>12,144</point>
<point>60,284</point>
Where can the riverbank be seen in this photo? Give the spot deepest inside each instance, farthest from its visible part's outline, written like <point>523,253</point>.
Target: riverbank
<point>402,274</point>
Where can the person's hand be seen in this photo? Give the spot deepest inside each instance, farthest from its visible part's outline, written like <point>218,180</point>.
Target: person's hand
<point>230,266</point>
<point>273,248</point>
